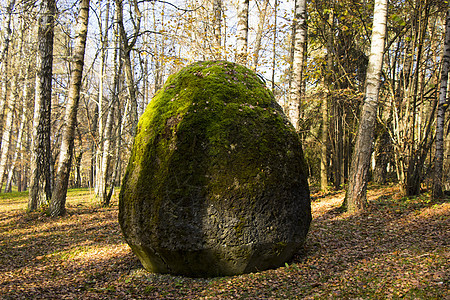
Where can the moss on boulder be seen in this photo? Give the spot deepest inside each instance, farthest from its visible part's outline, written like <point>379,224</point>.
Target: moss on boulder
<point>216,183</point>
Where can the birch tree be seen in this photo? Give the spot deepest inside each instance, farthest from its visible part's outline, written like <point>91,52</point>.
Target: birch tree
<point>40,180</point>
<point>100,108</point>
<point>355,199</point>
<point>126,47</point>
<point>4,55</point>
<point>242,32</point>
<point>57,205</point>
<point>443,103</point>
<point>217,27</point>
<point>259,33</point>
<point>7,129</point>
<point>300,29</point>
<point>23,118</point>
<point>8,31</point>
<point>328,83</point>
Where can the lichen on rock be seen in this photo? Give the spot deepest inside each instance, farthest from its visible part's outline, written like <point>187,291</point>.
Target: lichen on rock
<point>216,183</point>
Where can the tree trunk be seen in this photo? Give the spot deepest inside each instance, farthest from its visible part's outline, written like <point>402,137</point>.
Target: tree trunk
<point>355,200</point>
<point>4,90</point>
<point>411,185</point>
<point>10,172</point>
<point>274,43</point>
<point>297,63</point>
<point>7,130</point>
<point>40,181</point>
<point>259,33</point>
<point>58,203</point>
<point>100,108</point>
<point>383,150</point>
<point>217,28</point>
<point>4,57</point>
<point>126,47</point>
<point>439,155</point>
<point>116,170</point>
<point>7,36</point>
<point>106,158</point>
<point>23,115</point>
<point>325,101</point>
<point>78,179</point>
<point>242,32</point>
<point>94,147</point>
<point>323,147</point>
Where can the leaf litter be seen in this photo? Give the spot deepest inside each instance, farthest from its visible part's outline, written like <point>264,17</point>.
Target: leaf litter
<point>397,249</point>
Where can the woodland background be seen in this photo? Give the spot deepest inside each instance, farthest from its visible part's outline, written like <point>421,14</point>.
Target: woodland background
<point>132,46</point>
<point>51,89</point>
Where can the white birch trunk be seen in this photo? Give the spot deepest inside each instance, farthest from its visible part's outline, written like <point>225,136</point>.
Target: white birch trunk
<point>440,121</point>
<point>217,28</point>
<point>58,201</point>
<point>103,58</point>
<point>259,33</point>
<point>355,200</point>
<point>242,32</point>
<point>4,58</point>
<point>8,33</point>
<point>294,103</point>
<point>7,129</point>
<point>19,142</point>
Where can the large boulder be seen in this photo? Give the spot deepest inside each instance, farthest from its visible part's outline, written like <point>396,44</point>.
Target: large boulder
<point>216,183</point>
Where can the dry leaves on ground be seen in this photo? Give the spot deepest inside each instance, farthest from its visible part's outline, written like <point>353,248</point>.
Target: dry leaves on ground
<point>398,249</point>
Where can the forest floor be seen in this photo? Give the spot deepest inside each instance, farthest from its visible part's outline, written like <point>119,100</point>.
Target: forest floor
<point>398,249</point>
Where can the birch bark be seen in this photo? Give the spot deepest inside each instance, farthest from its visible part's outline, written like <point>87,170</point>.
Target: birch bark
<point>242,32</point>
<point>355,200</point>
<point>443,103</point>
<point>300,29</point>
<point>40,179</point>
<point>58,201</point>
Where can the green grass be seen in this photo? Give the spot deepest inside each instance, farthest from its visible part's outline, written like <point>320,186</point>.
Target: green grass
<point>75,197</point>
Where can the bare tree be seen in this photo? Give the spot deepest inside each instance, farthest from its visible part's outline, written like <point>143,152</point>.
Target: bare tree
<point>7,129</point>
<point>274,43</point>
<point>242,32</point>
<point>126,46</point>
<point>300,29</point>
<point>100,107</point>
<point>355,199</point>
<point>217,26</point>
<point>439,155</point>
<point>106,144</point>
<point>325,116</point>
<point>40,183</point>
<point>23,118</point>
<point>4,56</point>
<point>8,33</point>
<point>58,202</point>
<point>259,33</point>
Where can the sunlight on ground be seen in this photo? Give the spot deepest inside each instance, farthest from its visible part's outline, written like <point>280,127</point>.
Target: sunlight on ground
<point>90,253</point>
<point>75,197</point>
<point>321,206</point>
<point>397,249</point>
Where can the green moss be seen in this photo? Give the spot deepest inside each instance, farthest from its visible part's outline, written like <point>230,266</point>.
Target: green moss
<point>212,136</point>
<point>225,102</point>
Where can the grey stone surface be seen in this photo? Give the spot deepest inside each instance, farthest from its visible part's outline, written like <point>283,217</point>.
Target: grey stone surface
<point>216,184</point>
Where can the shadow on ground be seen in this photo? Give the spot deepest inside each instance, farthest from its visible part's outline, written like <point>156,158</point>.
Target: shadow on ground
<point>398,249</point>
